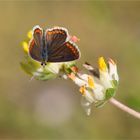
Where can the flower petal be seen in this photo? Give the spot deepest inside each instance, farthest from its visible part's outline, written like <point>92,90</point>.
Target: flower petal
<point>25,46</point>
<point>113,70</point>
<point>29,34</point>
<point>102,64</point>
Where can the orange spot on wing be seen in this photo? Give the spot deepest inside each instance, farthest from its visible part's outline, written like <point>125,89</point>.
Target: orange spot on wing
<point>38,31</point>
<point>49,32</point>
<point>31,45</point>
<point>73,49</point>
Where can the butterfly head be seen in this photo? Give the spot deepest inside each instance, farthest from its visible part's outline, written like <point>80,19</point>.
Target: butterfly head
<point>43,63</point>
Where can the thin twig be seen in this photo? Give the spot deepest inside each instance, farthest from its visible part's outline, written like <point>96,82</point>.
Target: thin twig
<point>124,108</point>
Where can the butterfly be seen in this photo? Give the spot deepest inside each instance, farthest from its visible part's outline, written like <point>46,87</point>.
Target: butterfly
<point>52,45</point>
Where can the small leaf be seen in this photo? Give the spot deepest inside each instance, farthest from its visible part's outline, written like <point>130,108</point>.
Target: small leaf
<point>110,92</point>
<point>44,77</point>
<point>115,83</point>
<point>29,67</point>
<point>26,68</point>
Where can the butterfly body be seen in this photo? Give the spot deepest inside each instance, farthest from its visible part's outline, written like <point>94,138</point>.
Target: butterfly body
<point>44,52</point>
<point>52,45</point>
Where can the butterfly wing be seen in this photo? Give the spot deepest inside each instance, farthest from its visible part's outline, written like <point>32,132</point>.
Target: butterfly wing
<point>55,37</point>
<point>58,46</point>
<point>34,51</point>
<point>67,52</point>
<point>36,44</point>
<point>38,36</point>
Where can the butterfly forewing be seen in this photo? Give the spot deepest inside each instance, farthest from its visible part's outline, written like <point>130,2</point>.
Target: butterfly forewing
<point>36,44</point>
<point>38,36</point>
<point>55,38</point>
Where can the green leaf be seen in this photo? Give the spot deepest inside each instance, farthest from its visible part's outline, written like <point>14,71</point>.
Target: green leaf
<point>110,92</point>
<point>27,68</point>
<point>115,83</point>
<point>48,76</point>
<point>30,66</point>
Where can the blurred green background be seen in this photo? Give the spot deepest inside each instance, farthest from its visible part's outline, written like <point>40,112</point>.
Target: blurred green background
<point>51,110</point>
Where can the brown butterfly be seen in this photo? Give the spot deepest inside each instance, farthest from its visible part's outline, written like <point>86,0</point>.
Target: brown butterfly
<point>52,45</point>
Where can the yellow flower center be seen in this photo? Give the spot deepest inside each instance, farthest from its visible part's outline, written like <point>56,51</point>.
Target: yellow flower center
<point>25,46</point>
<point>82,89</point>
<point>102,64</point>
<point>90,82</point>
<point>29,34</point>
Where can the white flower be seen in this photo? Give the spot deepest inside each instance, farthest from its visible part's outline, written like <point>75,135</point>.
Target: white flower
<point>99,92</point>
<point>104,74</point>
<point>108,74</point>
<point>99,87</point>
<point>88,94</point>
<point>77,80</point>
<point>90,90</point>
<point>113,70</point>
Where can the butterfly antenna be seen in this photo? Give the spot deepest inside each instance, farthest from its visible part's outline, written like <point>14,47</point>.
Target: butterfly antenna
<point>92,70</point>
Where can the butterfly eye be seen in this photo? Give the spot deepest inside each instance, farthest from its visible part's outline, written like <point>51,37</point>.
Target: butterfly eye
<point>43,64</point>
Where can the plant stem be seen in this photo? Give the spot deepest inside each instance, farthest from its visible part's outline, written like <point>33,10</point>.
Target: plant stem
<point>125,108</point>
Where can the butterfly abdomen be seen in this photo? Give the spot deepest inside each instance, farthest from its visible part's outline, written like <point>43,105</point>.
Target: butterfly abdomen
<point>44,50</point>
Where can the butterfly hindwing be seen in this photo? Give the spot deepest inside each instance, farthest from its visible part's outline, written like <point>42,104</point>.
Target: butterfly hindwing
<point>67,52</point>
